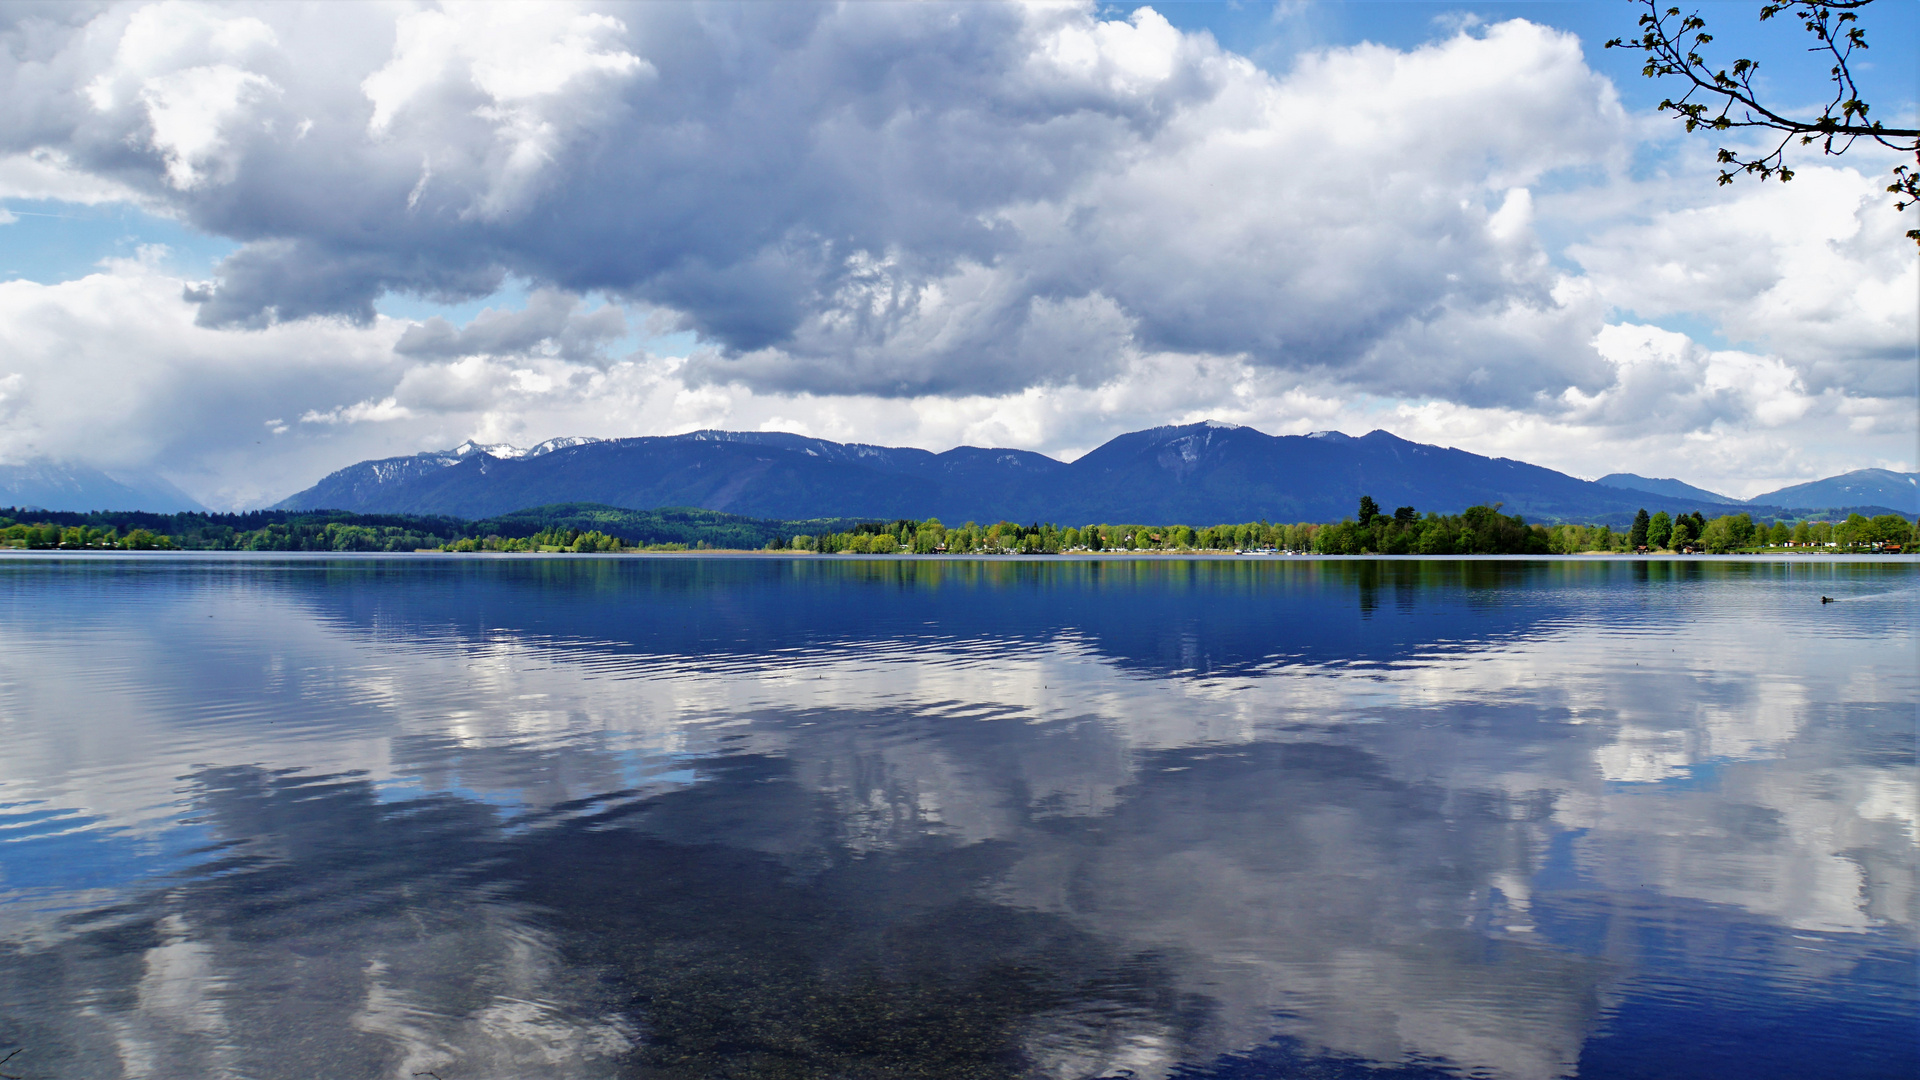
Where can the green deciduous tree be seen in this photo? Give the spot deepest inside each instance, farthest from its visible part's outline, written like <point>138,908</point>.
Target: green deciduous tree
<point>1659,529</point>
<point>1888,529</point>
<point>1727,533</point>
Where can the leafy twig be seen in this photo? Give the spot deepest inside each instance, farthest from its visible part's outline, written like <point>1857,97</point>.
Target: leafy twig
<point>1673,45</point>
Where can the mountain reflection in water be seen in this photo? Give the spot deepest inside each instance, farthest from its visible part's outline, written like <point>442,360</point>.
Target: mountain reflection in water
<point>883,818</point>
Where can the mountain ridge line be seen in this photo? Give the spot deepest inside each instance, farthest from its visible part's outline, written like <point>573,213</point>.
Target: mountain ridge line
<point>1200,472</point>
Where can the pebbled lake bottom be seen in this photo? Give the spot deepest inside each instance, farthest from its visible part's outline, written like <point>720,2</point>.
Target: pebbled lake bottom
<point>786,818</point>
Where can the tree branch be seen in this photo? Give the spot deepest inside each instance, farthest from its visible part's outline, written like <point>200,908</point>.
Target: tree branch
<point>1673,44</point>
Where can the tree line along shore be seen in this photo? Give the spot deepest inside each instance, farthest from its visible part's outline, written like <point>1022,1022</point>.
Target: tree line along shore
<point>1478,530</point>
<point>588,528</point>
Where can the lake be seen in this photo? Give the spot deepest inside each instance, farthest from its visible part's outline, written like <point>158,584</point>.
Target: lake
<point>876,818</point>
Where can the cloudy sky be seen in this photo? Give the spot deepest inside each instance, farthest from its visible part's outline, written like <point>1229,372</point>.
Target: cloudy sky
<point>244,245</point>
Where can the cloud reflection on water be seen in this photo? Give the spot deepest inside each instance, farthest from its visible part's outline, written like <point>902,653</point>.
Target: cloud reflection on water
<point>578,816</point>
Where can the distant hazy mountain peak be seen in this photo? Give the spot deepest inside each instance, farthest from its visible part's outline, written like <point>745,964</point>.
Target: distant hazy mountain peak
<point>67,485</point>
<point>1328,435</point>
<point>1883,487</point>
<point>1672,489</point>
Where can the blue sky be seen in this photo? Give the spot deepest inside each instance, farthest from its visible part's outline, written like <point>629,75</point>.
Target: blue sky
<point>1271,33</point>
<point>258,244</point>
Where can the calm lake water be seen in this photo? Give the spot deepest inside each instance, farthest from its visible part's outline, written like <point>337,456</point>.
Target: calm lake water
<point>761,817</point>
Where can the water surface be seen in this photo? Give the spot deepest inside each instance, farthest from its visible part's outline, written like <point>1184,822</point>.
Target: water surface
<point>712,817</point>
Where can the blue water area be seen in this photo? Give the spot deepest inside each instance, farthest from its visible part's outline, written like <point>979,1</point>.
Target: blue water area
<point>818,817</point>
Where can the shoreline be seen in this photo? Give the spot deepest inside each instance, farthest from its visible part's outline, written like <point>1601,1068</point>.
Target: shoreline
<point>47,554</point>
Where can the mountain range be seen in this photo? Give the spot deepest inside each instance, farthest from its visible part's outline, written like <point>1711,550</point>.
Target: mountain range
<point>1862,487</point>
<point>51,485</point>
<point>1197,473</point>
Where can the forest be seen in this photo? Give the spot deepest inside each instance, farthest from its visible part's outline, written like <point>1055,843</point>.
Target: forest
<point>1477,530</point>
<point>590,528</point>
<point>564,526</point>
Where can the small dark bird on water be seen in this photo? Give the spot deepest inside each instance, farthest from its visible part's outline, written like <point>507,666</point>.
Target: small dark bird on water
<point>1826,599</point>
